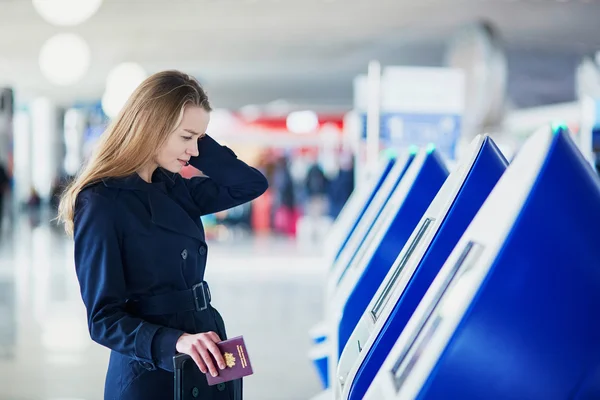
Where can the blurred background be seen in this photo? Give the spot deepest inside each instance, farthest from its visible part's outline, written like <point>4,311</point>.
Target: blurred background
<point>310,92</point>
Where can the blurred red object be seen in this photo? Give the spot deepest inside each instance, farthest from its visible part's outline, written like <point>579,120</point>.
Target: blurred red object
<point>189,172</point>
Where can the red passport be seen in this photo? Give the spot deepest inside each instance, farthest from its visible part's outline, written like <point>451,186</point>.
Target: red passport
<point>237,362</point>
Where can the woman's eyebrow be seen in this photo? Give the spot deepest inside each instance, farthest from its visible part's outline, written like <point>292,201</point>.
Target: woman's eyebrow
<point>192,132</point>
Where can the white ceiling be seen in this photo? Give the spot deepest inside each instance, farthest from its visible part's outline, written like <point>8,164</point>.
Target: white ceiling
<point>255,51</point>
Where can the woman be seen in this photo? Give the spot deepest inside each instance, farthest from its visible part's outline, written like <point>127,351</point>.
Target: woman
<point>140,251</point>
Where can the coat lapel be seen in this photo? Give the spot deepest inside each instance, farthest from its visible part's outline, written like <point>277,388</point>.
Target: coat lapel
<point>167,214</point>
<point>165,211</point>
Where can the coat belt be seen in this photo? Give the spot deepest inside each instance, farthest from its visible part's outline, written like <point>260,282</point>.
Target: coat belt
<point>195,299</point>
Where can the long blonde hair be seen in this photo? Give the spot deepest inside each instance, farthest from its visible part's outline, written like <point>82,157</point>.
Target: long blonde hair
<point>142,127</point>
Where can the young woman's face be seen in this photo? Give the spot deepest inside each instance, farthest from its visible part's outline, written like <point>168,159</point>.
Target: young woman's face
<point>183,141</point>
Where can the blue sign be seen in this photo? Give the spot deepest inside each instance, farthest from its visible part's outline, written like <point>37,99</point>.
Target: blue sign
<point>402,130</point>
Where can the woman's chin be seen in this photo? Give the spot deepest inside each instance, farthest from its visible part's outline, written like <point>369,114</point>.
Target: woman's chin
<point>174,169</point>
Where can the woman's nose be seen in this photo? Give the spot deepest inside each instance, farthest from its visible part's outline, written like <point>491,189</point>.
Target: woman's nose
<point>193,150</point>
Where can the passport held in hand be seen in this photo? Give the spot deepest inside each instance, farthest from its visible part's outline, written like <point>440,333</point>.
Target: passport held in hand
<point>237,365</point>
<point>237,362</point>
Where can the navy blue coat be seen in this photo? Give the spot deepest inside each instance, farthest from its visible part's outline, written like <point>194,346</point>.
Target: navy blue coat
<point>134,240</point>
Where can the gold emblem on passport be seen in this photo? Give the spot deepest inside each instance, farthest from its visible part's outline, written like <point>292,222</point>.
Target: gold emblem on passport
<point>229,360</point>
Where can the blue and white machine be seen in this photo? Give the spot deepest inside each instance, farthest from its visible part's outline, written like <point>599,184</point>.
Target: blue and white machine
<point>513,314</point>
<point>367,222</point>
<point>319,333</point>
<point>360,280</point>
<point>430,244</point>
<point>355,207</point>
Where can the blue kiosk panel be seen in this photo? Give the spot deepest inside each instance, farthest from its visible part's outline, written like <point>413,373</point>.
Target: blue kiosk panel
<point>367,222</point>
<point>428,181</point>
<point>320,333</point>
<point>365,204</point>
<point>484,173</point>
<point>514,312</point>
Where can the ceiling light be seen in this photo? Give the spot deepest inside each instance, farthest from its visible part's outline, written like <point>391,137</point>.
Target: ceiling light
<point>302,122</point>
<point>66,12</point>
<point>120,84</point>
<point>64,59</point>
<point>126,76</point>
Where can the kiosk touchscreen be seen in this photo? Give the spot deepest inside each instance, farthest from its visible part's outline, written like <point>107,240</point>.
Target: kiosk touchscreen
<point>355,207</point>
<point>440,228</point>
<point>513,313</point>
<point>360,280</point>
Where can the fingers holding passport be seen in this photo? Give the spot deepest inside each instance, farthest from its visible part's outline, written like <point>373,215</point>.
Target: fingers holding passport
<point>203,350</point>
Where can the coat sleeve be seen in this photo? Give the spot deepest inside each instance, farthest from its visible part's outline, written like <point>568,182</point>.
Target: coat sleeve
<point>99,269</point>
<point>229,181</point>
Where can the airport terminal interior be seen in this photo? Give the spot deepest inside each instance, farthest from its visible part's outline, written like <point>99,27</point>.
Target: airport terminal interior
<point>428,230</point>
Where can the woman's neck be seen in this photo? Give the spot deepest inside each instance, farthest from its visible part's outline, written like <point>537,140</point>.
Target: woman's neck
<point>146,172</point>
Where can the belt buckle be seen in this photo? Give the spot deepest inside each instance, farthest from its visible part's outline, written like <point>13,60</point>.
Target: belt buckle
<point>200,285</point>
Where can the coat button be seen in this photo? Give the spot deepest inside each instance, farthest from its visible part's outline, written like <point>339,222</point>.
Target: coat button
<point>202,250</point>
<point>147,365</point>
<point>184,254</point>
<point>221,387</point>
<point>195,392</point>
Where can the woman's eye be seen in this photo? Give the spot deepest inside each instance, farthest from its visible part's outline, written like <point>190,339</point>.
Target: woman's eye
<point>187,137</point>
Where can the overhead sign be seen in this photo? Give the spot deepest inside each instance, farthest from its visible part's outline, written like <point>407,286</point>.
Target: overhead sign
<point>419,105</point>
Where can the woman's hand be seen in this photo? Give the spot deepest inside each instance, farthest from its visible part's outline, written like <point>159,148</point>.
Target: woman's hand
<point>199,347</point>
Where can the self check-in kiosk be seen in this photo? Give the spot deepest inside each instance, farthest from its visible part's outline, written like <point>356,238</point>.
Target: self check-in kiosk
<point>355,207</point>
<point>432,241</point>
<point>513,313</point>
<point>360,280</point>
<point>319,333</point>
<point>367,222</point>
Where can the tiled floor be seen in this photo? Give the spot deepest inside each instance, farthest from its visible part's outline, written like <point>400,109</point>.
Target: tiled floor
<point>268,290</point>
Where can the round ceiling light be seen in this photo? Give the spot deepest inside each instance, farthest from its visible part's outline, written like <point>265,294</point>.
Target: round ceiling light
<point>126,76</point>
<point>120,84</point>
<point>64,59</point>
<point>66,12</point>
<point>302,122</point>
